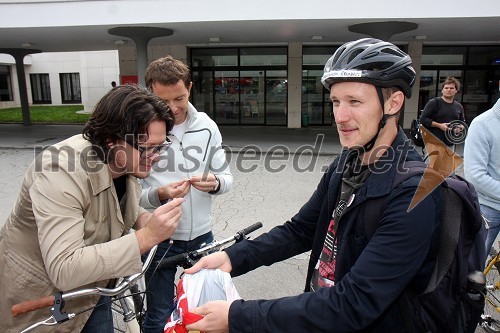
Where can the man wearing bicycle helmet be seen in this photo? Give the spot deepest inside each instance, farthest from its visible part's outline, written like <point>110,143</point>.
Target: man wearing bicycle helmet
<point>355,278</point>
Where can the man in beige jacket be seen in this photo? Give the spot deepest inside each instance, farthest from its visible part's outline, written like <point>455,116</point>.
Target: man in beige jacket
<point>70,225</point>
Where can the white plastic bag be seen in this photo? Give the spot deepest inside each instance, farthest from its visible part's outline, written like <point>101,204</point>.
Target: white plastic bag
<point>194,290</point>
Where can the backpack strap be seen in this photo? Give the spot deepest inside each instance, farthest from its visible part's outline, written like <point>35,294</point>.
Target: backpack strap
<point>448,237</point>
<point>450,224</point>
<point>437,106</point>
<point>373,207</point>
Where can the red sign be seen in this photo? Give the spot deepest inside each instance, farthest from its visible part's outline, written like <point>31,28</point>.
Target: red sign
<point>129,79</point>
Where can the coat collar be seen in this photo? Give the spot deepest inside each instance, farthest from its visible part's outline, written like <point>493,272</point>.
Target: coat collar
<point>379,183</point>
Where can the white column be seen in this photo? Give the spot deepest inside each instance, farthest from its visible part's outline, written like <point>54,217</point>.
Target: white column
<point>411,106</point>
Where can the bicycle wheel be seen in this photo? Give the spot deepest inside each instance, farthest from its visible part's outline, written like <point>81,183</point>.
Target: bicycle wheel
<point>491,318</point>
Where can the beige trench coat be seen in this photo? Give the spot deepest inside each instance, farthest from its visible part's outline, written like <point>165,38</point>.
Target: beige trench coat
<point>65,231</point>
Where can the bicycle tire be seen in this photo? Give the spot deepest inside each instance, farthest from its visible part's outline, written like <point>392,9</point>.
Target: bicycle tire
<point>492,324</point>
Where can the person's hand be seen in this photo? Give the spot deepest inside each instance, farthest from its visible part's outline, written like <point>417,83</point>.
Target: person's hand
<point>458,128</point>
<point>176,189</point>
<point>161,225</point>
<point>204,183</point>
<point>216,260</point>
<point>444,126</point>
<point>215,317</point>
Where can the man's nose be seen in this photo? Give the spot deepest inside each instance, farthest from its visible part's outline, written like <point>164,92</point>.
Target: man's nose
<point>340,114</point>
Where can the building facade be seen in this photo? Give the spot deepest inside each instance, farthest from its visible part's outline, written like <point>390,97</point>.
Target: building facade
<point>259,63</point>
<point>57,78</point>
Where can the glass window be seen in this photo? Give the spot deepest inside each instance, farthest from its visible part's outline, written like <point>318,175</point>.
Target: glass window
<point>203,96</point>
<point>70,87</point>
<point>40,88</point>
<point>241,85</point>
<point>317,55</point>
<point>227,99</point>
<point>313,97</point>
<point>484,55</point>
<point>269,56</point>
<point>5,84</point>
<point>443,55</point>
<point>428,87</point>
<point>276,97</point>
<point>252,97</point>
<point>476,93</point>
<point>214,57</point>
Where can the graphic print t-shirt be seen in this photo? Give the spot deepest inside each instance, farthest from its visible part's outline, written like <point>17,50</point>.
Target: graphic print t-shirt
<point>353,178</point>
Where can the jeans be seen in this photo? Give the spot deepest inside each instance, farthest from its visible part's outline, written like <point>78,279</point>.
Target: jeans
<point>493,222</point>
<point>101,319</point>
<point>160,285</point>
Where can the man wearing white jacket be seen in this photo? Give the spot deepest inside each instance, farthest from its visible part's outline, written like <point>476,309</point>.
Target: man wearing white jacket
<point>482,167</point>
<point>194,167</point>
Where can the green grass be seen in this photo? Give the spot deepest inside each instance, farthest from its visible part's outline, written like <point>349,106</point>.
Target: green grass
<point>49,114</point>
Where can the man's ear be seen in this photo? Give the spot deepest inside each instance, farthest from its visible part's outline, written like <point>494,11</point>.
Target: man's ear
<point>395,102</point>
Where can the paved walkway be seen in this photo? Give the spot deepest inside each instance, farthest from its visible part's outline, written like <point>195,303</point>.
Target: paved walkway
<point>262,139</point>
<point>319,140</point>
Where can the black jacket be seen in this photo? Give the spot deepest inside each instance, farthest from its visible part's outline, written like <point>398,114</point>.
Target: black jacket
<point>370,274</point>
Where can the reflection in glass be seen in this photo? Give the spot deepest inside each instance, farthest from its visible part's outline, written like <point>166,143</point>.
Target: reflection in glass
<point>276,97</point>
<point>315,99</point>
<point>252,97</point>
<point>227,99</point>
<point>202,92</point>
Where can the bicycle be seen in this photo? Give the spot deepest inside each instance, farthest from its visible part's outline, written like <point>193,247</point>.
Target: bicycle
<point>490,320</point>
<point>125,290</point>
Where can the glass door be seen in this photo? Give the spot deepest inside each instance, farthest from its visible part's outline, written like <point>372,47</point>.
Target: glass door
<point>276,97</point>
<point>203,92</point>
<point>227,97</point>
<point>252,97</point>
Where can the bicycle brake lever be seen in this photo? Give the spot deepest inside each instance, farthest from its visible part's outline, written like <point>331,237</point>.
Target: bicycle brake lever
<point>51,321</point>
<point>57,309</point>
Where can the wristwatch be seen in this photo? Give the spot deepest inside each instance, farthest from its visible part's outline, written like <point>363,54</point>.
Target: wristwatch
<point>216,187</point>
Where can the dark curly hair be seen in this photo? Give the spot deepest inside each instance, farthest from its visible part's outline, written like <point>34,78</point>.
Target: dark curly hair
<point>125,110</point>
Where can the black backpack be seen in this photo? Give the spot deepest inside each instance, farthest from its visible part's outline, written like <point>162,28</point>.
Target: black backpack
<point>447,304</point>
<point>416,133</point>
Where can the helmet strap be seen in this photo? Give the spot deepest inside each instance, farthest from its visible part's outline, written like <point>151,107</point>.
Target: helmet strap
<point>369,145</point>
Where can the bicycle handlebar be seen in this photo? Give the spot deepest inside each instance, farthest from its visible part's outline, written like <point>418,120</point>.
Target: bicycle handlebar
<point>43,302</point>
<point>183,259</point>
<point>188,259</point>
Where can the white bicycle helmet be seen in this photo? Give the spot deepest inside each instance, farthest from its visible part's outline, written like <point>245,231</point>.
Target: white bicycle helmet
<point>372,61</point>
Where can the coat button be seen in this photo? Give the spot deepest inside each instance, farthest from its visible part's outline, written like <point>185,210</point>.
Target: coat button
<point>104,219</point>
